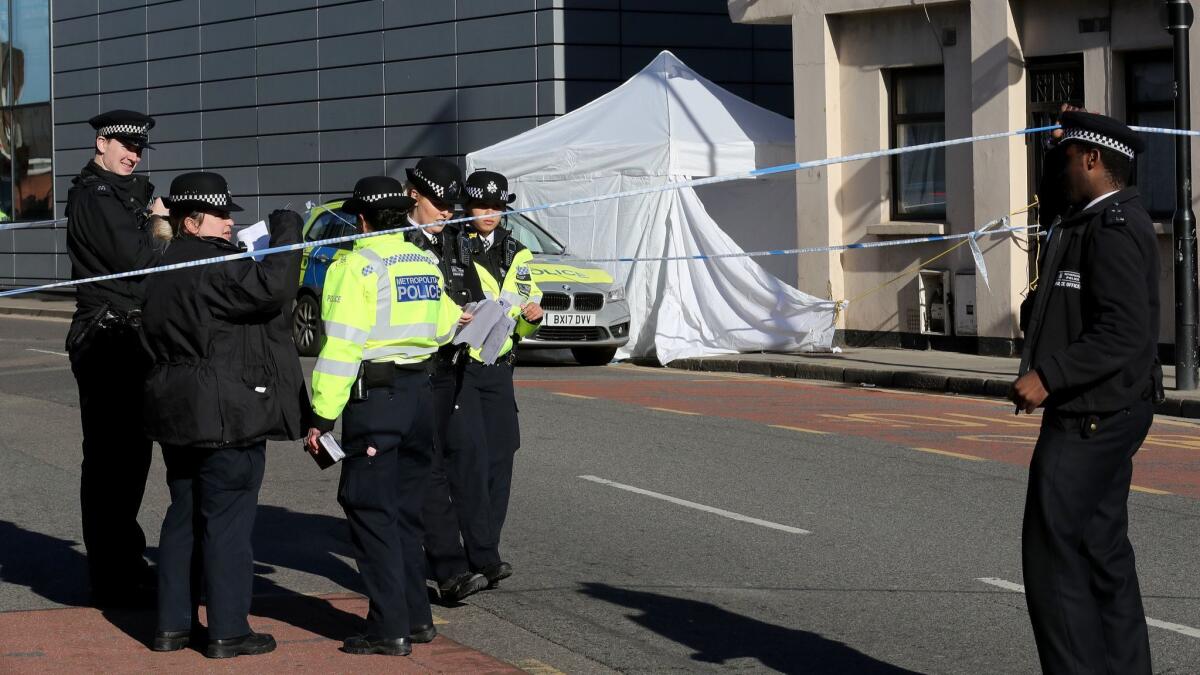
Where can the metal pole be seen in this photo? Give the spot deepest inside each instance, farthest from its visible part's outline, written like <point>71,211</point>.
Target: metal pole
<point>1179,21</point>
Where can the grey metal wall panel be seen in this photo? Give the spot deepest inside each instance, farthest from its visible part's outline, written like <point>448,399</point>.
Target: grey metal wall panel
<point>237,122</point>
<point>286,88</point>
<point>123,23</point>
<point>129,76</point>
<point>497,32</point>
<point>77,82</point>
<point>32,268</point>
<point>114,5</point>
<point>282,119</point>
<point>36,241</point>
<point>71,161</point>
<point>182,98</point>
<point>339,177</point>
<point>243,181</point>
<point>286,27</point>
<point>423,108</point>
<point>419,42</point>
<point>231,152</point>
<point>352,113</point>
<point>773,37</point>
<point>582,27</point>
<point>83,29</point>
<point>228,35</point>
<point>350,145</point>
<point>224,10</point>
<point>353,17</point>
<point>176,42</point>
<point>351,50</point>
<point>475,135</point>
<point>420,141</point>
<point>586,62</point>
<point>179,127</point>
<point>289,179</point>
<point>177,14</point>
<point>171,156</point>
<point>222,65</point>
<point>473,8</point>
<point>131,100</point>
<point>76,135</point>
<point>66,9</point>
<point>543,22</point>
<point>287,57</point>
<point>353,81</point>
<point>270,6</point>
<point>546,98</point>
<point>420,75</point>
<point>692,30</point>
<point>513,65</point>
<point>167,72</point>
<point>76,109</point>
<point>508,100</point>
<point>74,57</point>
<point>229,93</point>
<point>288,149</point>
<point>402,14</point>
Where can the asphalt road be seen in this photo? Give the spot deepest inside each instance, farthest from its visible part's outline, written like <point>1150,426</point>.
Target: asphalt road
<point>677,521</point>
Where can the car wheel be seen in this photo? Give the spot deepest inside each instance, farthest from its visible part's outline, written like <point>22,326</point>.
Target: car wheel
<point>593,356</point>
<point>307,330</point>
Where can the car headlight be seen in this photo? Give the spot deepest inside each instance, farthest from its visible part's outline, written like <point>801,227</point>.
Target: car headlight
<point>616,294</point>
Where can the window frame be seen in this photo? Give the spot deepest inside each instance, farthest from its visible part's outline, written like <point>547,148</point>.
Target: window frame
<point>895,119</point>
<point>1133,109</point>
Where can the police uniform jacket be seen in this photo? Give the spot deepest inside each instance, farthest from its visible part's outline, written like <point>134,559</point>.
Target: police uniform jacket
<point>226,372</point>
<point>107,234</point>
<point>1091,327</point>
<point>454,255</point>
<point>505,274</point>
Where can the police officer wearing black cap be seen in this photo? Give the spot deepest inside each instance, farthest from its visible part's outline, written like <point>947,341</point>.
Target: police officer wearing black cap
<point>456,500</point>
<point>226,379</point>
<point>108,232</point>
<point>1089,358</point>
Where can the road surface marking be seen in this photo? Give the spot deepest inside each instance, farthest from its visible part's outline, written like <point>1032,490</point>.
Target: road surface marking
<point>563,393</point>
<point>1149,491</point>
<point>1165,625</point>
<point>952,454</point>
<point>537,667</point>
<point>800,429</point>
<point>671,410</point>
<point>693,505</point>
<point>46,351</point>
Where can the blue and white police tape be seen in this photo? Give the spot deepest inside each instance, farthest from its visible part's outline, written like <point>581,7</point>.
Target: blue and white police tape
<point>33,224</point>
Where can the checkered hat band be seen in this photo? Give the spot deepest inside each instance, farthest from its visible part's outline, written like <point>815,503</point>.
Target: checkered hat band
<point>434,187</point>
<point>1097,139</point>
<point>478,193</point>
<point>125,129</point>
<point>217,199</point>
<point>370,199</point>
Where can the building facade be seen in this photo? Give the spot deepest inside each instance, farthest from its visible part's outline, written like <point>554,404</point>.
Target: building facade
<point>871,74</point>
<point>292,100</point>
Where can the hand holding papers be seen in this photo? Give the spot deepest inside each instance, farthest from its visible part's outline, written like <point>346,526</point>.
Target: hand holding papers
<point>488,330</point>
<point>255,237</point>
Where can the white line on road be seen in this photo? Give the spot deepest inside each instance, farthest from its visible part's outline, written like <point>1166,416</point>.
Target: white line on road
<point>693,505</point>
<point>1165,625</point>
<point>46,351</point>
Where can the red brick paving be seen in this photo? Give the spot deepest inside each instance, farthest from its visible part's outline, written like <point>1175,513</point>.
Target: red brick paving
<point>308,630</point>
<point>1169,460</point>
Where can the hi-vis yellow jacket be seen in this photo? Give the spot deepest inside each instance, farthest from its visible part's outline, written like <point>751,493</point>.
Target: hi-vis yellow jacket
<point>518,288</point>
<point>382,302</point>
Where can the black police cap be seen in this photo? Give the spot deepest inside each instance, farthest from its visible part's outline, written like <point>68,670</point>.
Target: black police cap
<point>1100,131</point>
<point>128,125</point>
<point>488,187</point>
<point>378,192</point>
<point>203,189</point>
<point>438,178</point>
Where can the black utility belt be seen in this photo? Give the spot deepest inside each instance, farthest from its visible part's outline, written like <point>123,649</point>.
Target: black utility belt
<point>1085,423</point>
<point>506,360</point>
<point>381,373</point>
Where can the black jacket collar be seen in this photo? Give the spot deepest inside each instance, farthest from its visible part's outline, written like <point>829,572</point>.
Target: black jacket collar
<point>134,190</point>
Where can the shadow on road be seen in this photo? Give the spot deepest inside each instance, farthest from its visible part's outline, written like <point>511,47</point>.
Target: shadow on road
<point>718,635</point>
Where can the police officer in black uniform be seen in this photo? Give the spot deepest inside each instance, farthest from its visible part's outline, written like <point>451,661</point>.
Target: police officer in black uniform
<point>456,500</point>
<point>1089,358</point>
<point>108,232</point>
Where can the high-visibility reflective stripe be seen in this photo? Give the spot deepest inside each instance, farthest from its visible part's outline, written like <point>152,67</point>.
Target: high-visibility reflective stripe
<point>383,295</point>
<point>330,366</point>
<point>345,332</point>
<point>397,350</point>
<point>445,337</point>
<point>424,329</point>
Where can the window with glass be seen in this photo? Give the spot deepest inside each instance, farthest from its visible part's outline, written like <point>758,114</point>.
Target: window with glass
<point>1150,102</point>
<point>27,136</point>
<point>918,115</point>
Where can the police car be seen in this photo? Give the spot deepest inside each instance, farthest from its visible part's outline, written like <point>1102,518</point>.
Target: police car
<point>585,311</point>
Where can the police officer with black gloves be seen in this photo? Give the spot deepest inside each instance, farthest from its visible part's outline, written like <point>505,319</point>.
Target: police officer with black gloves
<point>456,500</point>
<point>108,232</point>
<point>1089,358</point>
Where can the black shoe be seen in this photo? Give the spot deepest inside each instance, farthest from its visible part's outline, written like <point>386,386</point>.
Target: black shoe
<point>495,573</point>
<point>462,585</point>
<point>422,634</point>
<point>171,640</point>
<point>249,644</point>
<point>371,644</point>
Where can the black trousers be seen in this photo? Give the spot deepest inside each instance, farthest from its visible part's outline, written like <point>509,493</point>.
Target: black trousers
<point>501,438</point>
<point>456,512</point>
<point>206,537</point>
<point>383,495</point>
<point>110,371</point>
<point>1081,583</point>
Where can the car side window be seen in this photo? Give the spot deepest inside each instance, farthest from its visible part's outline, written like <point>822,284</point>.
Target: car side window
<point>317,231</point>
<point>342,228</point>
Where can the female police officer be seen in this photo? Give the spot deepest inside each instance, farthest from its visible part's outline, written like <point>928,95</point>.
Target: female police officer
<point>502,263</point>
<point>226,377</point>
<point>385,315</point>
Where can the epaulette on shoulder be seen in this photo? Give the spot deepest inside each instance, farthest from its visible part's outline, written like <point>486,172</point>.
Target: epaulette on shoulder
<point>101,188</point>
<point>1114,216</point>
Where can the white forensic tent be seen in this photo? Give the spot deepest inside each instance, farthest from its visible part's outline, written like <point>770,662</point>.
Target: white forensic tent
<point>668,124</point>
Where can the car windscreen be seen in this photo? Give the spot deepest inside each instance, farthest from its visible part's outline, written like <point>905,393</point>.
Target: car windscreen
<point>529,233</point>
